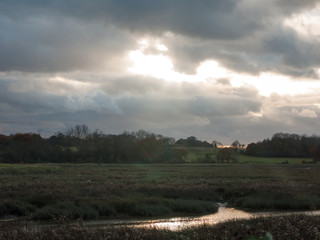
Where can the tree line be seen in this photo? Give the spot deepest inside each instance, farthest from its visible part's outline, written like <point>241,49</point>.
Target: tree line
<point>79,144</point>
<point>193,142</point>
<point>286,145</point>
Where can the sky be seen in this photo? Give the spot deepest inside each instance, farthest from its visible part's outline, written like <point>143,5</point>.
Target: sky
<point>220,70</point>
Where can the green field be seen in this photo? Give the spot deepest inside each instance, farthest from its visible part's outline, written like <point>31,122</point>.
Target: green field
<point>263,160</point>
<point>93,191</point>
<point>198,155</point>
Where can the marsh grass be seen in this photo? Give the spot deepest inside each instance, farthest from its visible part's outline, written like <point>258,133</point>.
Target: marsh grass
<point>100,191</point>
<point>286,227</point>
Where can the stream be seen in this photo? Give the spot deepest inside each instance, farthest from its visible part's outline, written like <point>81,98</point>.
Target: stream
<point>177,223</point>
<point>224,214</point>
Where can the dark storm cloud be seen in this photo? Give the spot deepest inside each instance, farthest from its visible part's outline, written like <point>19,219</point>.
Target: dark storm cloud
<point>55,45</point>
<point>61,35</point>
<point>296,54</point>
<point>278,49</point>
<point>64,62</point>
<point>203,18</point>
<point>289,6</point>
<point>71,35</point>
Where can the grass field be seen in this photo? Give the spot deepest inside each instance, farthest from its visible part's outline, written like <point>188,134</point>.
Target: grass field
<point>261,160</point>
<point>93,191</point>
<point>198,155</point>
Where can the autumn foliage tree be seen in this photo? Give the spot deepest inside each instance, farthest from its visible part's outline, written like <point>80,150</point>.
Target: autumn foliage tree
<point>227,155</point>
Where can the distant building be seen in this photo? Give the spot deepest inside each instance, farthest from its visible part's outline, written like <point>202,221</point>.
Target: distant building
<point>242,147</point>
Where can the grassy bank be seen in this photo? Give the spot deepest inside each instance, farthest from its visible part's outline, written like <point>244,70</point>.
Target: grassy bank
<point>289,227</point>
<point>93,191</point>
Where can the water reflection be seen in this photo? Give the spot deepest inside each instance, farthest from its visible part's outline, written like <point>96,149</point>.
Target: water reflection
<point>224,214</point>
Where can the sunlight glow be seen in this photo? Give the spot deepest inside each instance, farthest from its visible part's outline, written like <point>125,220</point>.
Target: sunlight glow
<point>155,65</point>
<point>69,82</point>
<point>161,47</point>
<point>306,23</point>
<point>160,66</point>
<point>143,43</point>
<point>269,83</point>
<point>61,85</point>
<point>211,69</point>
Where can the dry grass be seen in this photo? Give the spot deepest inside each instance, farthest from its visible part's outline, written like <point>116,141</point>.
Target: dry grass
<point>288,227</point>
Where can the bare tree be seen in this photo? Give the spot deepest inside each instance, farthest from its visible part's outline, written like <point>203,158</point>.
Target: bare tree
<point>78,131</point>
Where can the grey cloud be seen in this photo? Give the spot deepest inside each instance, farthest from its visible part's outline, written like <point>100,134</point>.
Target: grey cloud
<point>297,55</point>
<point>29,102</point>
<point>203,18</point>
<point>246,130</point>
<point>185,111</point>
<point>132,85</point>
<point>289,6</point>
<point>223,116</point>
<point>301,114</point>
<point>271,47</point>
<point>279,49</point>
<point>37,101</point>
<point>24,103</point>
<point>223,106</point>
<point>67,35</point>
<point>73,39</point>
<point>62,36</point>
<point>223,81</point>
<point>38,44</point>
